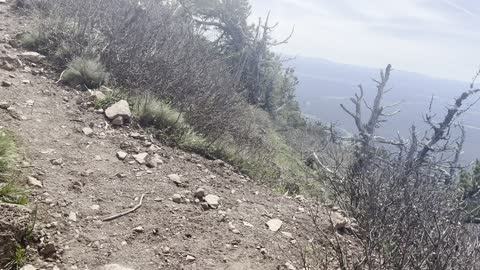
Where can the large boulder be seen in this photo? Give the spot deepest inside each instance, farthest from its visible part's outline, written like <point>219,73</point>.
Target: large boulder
<point>119,109</point>
<point>14,222</point>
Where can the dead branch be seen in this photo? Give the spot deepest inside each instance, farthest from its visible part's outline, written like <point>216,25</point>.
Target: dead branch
<point>113,217</point>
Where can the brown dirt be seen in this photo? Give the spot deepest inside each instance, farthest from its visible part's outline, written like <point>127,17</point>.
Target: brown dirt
<point>50,127</point>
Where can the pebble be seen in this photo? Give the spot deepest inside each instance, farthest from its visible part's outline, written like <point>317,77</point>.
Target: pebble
<point>122,155</point>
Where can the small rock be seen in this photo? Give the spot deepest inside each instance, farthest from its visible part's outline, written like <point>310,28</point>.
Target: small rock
<point>118,121</point>
<point>115,267</point>
<point>176,179</point>
<point>290,266</point>
<point>120,108</point>
<point>25,82</point>
<point>97,95</point>
<point>32,181</point>
<point>30,102</point>
<point>4,105</point>
<point>122,155</point>
<point>288,235</point>
<point>72,216</point>
<point>140,158</point>
<point>200,193</point>
<point>139,229</point>
<point>190,258</point>
<point>57,162</point>
<point>274,224</point>
<point>95,207</point>
<point>212,200</point>
<point>165,250</point>
<point>153,162</point>
<point>6,84</point>
<point>28,266</point>
<point>87,131</point>
<point>177,198</point>
<point>87,173</point>
<point>246,224</point>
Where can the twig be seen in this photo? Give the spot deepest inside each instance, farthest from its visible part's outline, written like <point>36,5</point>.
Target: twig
<point>60,79</point>
<point>110,218</point>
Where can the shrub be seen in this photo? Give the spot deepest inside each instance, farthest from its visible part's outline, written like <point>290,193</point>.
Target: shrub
<point>33,40</point>
<point>87,72</point>
<point>168,123</point>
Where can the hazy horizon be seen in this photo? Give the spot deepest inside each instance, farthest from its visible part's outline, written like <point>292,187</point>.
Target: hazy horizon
<point>437,38</point>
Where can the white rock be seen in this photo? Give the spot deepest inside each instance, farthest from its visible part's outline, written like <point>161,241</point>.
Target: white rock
<point>140,158</point>
<point>274,224</point>
<point>28,266</point>
<point>32,56</point>
<point>97,95</point>
<point>95,207</point>
<point>288,235</point>
<point>122,155</point>
<point>139,229</point>
<point>290,266</point>
<point>212,200</point>
<point>72,216</point>
<point>32,181</point>
<point>246,224</point>
<point>174,177</point>
<point>115,267</point>
<point>120,108</point>
<point>87,131</point>
<point>190,258</point>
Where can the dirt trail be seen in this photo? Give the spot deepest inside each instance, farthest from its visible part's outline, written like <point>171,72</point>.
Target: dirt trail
<point>84,181</point>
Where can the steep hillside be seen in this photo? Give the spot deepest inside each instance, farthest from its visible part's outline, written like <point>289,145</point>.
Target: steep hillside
<point>83,170</point>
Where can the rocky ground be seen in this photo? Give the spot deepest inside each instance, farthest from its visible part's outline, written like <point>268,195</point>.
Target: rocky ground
<point>195,213</point>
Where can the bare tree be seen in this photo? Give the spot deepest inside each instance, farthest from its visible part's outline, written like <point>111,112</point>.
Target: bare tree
<point>409,214</point>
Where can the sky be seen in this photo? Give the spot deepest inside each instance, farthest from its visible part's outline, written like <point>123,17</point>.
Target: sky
<point>440,38</point>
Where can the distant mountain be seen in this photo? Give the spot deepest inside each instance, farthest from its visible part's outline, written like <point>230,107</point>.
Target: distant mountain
<point>324,85</point>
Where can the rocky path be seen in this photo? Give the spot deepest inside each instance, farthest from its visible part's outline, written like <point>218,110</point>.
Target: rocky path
<point>81,170</point>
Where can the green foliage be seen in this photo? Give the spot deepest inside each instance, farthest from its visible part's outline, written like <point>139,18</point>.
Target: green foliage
<point>20,258</point>
<point>7,155</point>
<point>87,72</point>
<point>157,114</point>
<point>10,193</point>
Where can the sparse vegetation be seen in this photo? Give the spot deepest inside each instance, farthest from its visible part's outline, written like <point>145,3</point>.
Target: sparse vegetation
<point>159,50</point>
<point>9,190</point>
<point>85,71</point>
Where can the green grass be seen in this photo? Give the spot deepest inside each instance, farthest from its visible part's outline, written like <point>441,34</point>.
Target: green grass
<point>85,71</point>
<point>11,193</point>
<point>9,190</point>
<point>7,155</point>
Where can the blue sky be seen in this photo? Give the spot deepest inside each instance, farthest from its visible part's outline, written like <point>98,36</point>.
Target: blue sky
<point>440,38</point>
